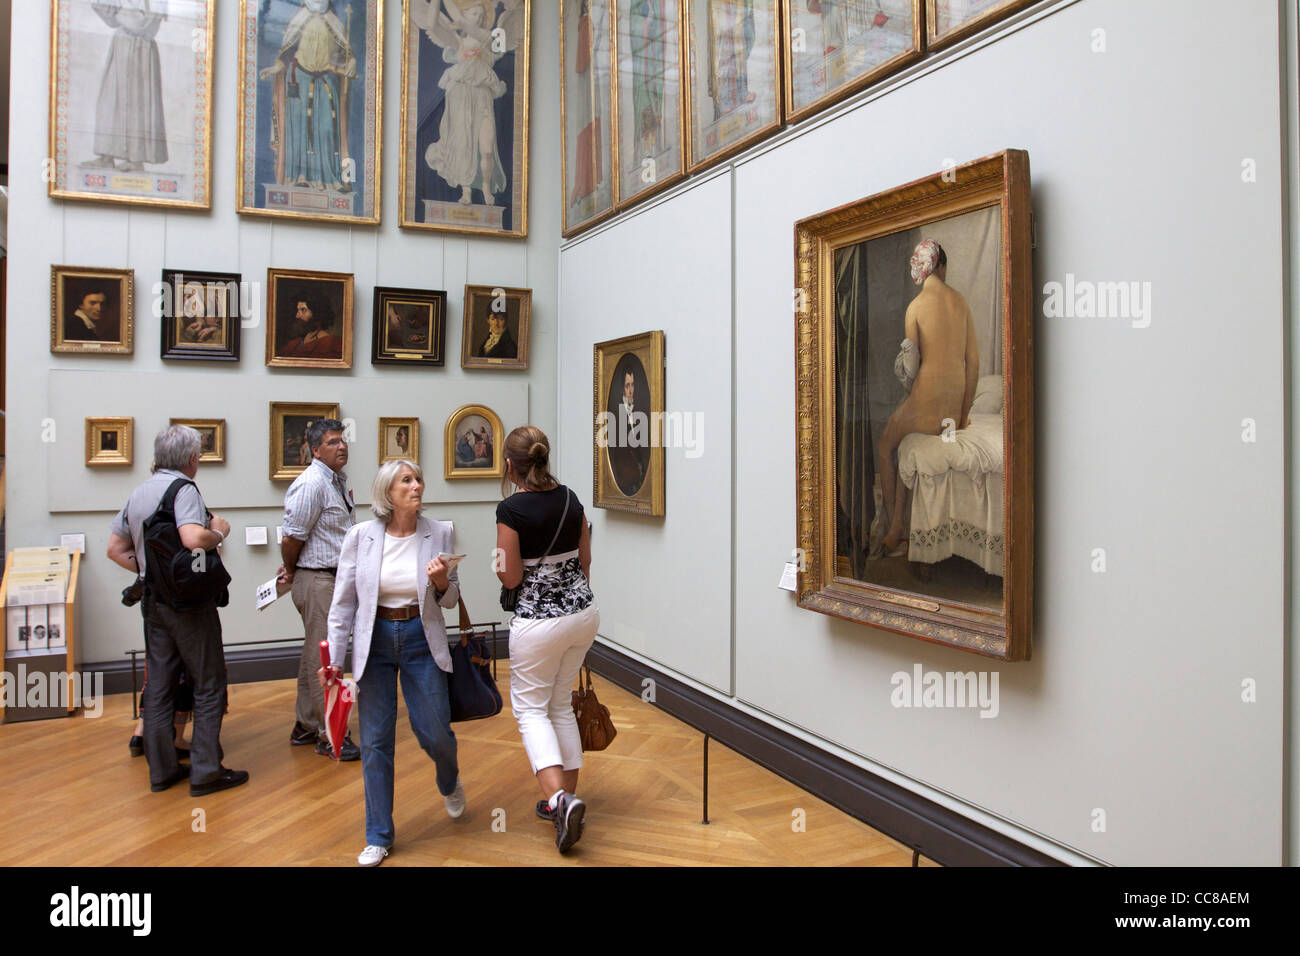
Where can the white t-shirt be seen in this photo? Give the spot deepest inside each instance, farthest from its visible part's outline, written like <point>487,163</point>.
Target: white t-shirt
<point>398,581</point>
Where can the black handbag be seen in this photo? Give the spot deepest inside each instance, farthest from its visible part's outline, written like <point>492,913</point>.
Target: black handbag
<point>510,596</point>
<point>472,691</point>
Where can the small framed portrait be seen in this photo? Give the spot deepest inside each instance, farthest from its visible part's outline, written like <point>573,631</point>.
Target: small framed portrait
<point>201,315</point>
<point>308,319</point>
<point>399,438</point>
<point>497,321</point>
<point>212,433</point>
<point>947,21</point>
<point>410,327</point>
<point>290,453</point>
<point>627,454</point>
<point>472,444</point>
<point>109,441</point>
<point>92,310</point>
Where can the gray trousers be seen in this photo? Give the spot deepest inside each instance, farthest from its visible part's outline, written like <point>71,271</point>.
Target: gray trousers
<point>313,592</point>
<point>193,638</point>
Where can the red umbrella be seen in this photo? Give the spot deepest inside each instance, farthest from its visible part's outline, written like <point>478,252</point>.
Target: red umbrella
<point>338,703</point>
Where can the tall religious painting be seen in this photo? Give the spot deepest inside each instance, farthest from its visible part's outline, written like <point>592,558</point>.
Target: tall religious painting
<point>733,91</point>
<point>649,98</point>
<point>628,409</point>
<point>837,47</point>
<point>947,21</point>
<point>915,409</point>
<point>131,102</point>
<point>586,113</point>
<point>464,160</point>
<point>310,109</point>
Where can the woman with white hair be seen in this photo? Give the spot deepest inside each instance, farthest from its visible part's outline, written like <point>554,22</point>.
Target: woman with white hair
<point>389,594</point>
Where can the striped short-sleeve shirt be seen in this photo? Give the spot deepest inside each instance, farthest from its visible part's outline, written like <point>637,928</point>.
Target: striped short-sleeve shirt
<point>318,511</point>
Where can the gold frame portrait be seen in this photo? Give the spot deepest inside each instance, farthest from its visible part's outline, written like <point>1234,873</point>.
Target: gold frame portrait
<point>451,470</point>
<point>411,156</point>
<point>144,183</point>
<point>218,425</point>
<point>124,344</point>
<point>647,350</point>
<point>937,41</point>
<point>345,319</point>
<point>996,184</point>
<point>609,145</point>
<point>123,455</point>
<point>250,31</point>
<point>524,331</point>
<point>279,412</point>
<point>413,435</point>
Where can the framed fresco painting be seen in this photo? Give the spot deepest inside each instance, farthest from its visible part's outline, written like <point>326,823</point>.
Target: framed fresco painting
<point>131,102</point>
<point>212,435</point>
<point>733,77</point>
<point>497,326</point>
<point>290,454</point>
<point>109,442</point>
<point>472,444</point>
<point>308,319</point>
<point>588,141</point>
<point>201,315</point>
<point>837,47</point>
<point>464,162</point>
<point>628,407</point>
<point>410,327</point>
<point>92,310</point>
<point>311,109</point>
<point>947,21</point>
<point>914,392</point>
<point>399,438</point>
<point>651,134</point>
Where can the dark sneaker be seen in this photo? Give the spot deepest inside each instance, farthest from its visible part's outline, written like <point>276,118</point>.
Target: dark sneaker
<point>569,814</point>
<point>301,736</point>
<point>226,780</point>
<point>181,774</point>
<point>137,746</point>
<point>347,752</point>
<point>544,811</point>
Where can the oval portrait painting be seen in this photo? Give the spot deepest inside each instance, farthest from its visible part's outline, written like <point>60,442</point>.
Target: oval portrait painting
<point>628,404</point>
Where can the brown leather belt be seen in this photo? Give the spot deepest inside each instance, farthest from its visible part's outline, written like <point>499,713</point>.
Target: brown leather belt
<point>398,613</point>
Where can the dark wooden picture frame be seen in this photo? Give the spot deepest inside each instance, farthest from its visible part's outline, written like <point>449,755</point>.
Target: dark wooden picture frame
<point>409,327</point>
<point>188,304</point>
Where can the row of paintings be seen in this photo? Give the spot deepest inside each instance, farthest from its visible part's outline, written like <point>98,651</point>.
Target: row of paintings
<point>472,439</point>
<point>131,108</point>
<point>309,319</point>
<point>696,81</point>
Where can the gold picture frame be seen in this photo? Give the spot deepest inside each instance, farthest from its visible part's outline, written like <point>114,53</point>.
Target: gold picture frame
<point>627,453</point>
<point>935,11</point>
<point>963,572</point>
<point>464,451</point>
<point>301,338</point>
<point>432,191</point>
<point>110,442</point>
<point>484,305</point>
<point>650,123</point>
<point>108,165</point>
<point>588,163</point>
<point>393,432</point>
<point>289,456</point>
<point>92,310</point>
<point>212,432</point>
<point>272,178</point>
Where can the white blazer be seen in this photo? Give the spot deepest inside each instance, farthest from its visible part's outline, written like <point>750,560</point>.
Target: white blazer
<point>356,591</point>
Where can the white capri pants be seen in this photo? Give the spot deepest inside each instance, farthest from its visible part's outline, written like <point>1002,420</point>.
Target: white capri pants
<point>546,655</point>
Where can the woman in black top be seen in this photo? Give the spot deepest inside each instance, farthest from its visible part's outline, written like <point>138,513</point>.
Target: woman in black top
<point>555,621</point>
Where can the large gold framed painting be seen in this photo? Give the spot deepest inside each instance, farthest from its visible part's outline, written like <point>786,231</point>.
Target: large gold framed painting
<point>131,102</point>
<point>628,406</point>
<point>464,160</point>
<point>586,113</point>
<point>914,391</point>
<point>649,98</point>
<point>947,21</point>
<point>310,109</point>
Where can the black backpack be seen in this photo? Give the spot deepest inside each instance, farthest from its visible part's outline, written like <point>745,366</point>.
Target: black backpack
<point>170,568</point>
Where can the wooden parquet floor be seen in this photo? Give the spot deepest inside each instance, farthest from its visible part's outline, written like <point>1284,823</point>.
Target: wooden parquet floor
<point>72,796</point>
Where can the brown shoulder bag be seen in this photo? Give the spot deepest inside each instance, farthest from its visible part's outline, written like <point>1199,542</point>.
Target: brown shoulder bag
<point>594,726</point>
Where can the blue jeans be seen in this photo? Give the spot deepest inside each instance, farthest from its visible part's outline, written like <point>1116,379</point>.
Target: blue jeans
<point>399,647</point>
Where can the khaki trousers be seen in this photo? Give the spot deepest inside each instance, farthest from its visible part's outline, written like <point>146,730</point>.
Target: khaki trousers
<point>313,592</point>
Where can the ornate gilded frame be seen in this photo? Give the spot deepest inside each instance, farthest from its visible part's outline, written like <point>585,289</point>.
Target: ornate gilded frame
<point>936,41</point>
<point>649,497</point>
<point>218,425</point>
<point>124,428</point>
<point>345,318</point>
<point>572,227</point>
<point>450,470</point>
<point>523,333</point>
<point>279,412</point>
<point>124,344</point>
<point>1001,179</point>
<point>412,426</point>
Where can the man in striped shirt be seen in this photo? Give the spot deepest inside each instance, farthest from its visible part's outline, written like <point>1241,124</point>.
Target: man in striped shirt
<point>317,516</point>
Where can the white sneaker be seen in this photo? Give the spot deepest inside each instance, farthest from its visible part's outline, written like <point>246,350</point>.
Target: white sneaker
<point>455,801</point>
<point>372,856</point>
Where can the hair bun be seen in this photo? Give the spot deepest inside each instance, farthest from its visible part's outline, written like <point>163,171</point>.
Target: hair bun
<point>538,452</point>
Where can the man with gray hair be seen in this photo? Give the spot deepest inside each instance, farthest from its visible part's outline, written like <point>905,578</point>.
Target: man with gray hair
<point>172,637</point>
<point>317,516</point>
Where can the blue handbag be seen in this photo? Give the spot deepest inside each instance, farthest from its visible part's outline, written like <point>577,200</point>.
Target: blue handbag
<point>470,685</point>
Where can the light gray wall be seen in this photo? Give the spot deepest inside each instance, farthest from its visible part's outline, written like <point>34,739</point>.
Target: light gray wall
<point>49,489</point>
<point>1132,703</point>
